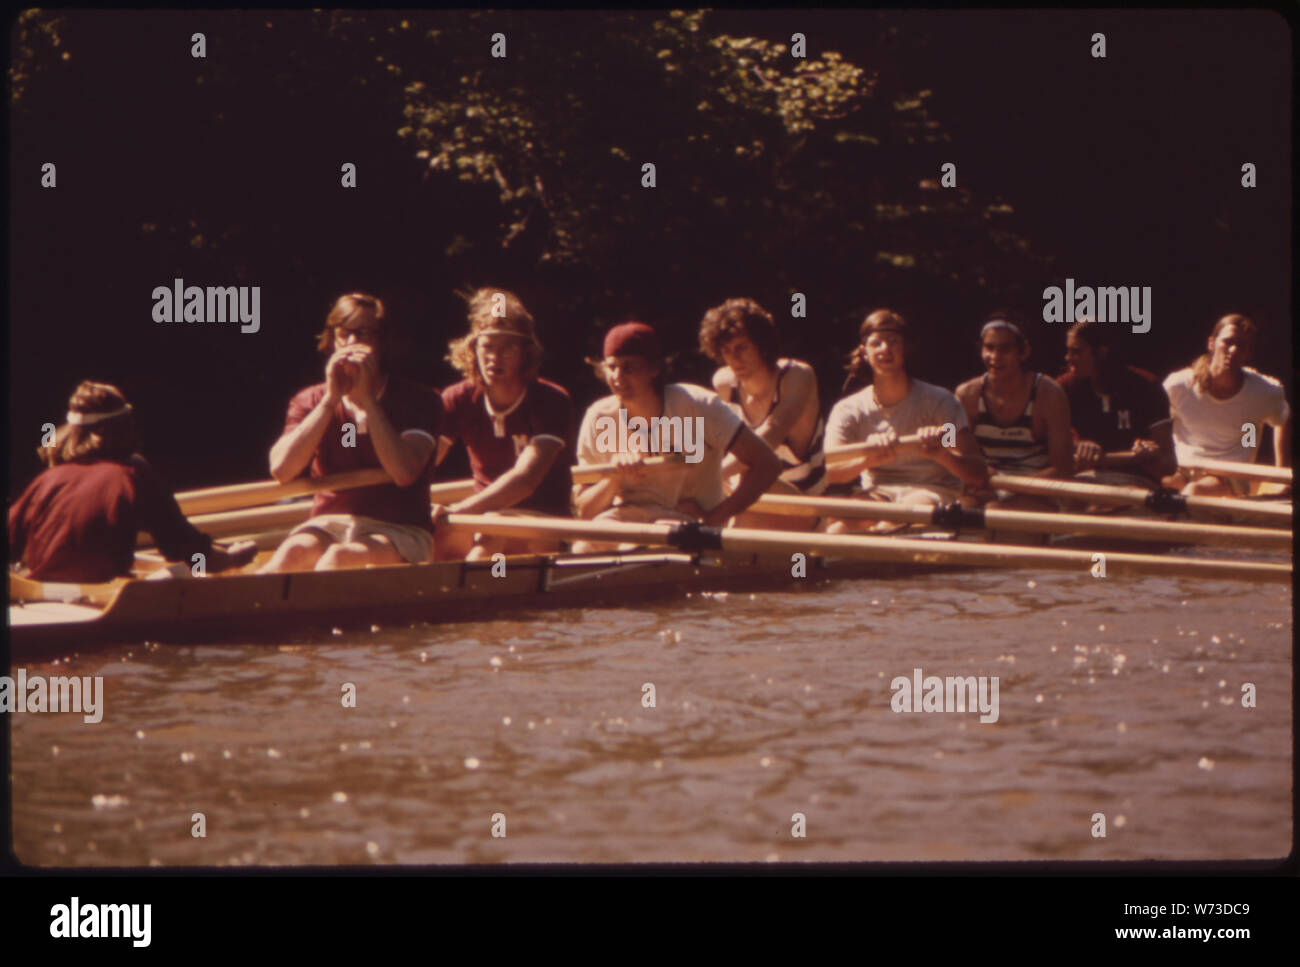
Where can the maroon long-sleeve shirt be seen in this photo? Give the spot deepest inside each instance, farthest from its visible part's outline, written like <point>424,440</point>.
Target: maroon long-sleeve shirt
<point>77,522</point>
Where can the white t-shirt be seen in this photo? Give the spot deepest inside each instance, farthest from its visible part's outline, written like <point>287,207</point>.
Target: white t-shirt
<point>1205,426</point>
<point>856,417</point>
<point>710,421</point>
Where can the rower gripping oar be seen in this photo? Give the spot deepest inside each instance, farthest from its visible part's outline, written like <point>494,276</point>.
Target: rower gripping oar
<point>1160,501</point>
<point>956,517</point>
<point>696,537</point>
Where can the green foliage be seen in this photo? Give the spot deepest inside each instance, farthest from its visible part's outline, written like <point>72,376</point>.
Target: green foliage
<point>774,173</point>
<point>37,44</point>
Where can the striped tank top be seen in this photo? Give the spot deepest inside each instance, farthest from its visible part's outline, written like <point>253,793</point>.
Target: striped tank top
<point>809,474</point>
<point>1011,448</point>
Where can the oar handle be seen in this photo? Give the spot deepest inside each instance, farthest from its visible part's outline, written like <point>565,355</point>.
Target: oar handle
<point>1247,471</point>
<point>851,451</point>
<point>585,473</point>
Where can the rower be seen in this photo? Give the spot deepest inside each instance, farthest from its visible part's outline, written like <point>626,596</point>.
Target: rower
<point>78,520</point>
<point>893,405</point>
<point>1021,418</point>
<point>674,417</point>
<point>1119,414</point>
<point>1212,402</point>
<point>517,428</point>
<point>361,417</point>
<point>775,396</point>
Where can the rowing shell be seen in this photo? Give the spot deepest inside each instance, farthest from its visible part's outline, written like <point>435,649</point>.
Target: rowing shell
<point>238,606</point>
<point>53,619</point>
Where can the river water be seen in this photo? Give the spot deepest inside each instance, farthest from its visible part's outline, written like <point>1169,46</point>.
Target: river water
<point>1119,697</point>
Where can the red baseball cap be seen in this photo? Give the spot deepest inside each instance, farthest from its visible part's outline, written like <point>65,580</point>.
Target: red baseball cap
<point>633,339</point>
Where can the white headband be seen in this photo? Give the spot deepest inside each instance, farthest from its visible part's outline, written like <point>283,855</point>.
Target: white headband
<point>506,332</point>
<point>87,419</point>
<point>1002,324</point>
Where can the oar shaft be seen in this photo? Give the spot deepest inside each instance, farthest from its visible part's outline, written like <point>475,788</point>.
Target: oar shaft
<point>1260,538</point>
<point>213,500</point>
<point>1279,514</point>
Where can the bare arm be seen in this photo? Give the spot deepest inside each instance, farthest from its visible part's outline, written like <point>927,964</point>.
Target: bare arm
<point>1282,444</point>
<point>444,447</point>
<point>517,483</point>
<point>762,467</point>
<point>402,455</point>
<point>1055,408</point>
<point>965,461</point>
<point>590,500</point>
<point>798,387</point>
<point>292,453</point>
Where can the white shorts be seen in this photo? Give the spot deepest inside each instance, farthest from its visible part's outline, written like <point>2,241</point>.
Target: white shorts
<point>414,544</point>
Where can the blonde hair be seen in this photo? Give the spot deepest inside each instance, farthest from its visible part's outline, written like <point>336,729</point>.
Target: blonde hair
<point>517,321</point>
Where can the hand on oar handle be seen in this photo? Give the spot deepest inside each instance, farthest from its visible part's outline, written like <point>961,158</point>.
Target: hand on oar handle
<point>629,467</point>
<point>234,556</point>
<point>626,466</point>
<point>1087,454</point>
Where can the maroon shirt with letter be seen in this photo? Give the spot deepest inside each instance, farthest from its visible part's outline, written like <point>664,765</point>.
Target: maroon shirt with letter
<point>77,522</point>
<point>545,410</point>
<point>409,406</point>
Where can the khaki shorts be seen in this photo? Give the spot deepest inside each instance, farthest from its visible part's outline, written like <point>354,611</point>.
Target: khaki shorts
<point>414,544</point>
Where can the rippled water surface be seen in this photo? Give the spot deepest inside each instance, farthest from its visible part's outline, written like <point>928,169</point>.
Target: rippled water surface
<point>1121,697</point>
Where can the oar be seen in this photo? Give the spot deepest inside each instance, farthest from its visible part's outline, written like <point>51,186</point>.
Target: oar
<point>1247,471</point>
<point>851,451</point>
<point>220,499</point>
<point>241,511</point>
<point>1162,502</point>
<point>214,500</point>
<point>694,537</point>
<point>1035,523</point>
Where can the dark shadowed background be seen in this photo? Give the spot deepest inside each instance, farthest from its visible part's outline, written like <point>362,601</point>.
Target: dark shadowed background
<point>774,176</point>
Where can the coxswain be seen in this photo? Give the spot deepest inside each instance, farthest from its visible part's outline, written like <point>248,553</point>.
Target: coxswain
<point>77,522</point>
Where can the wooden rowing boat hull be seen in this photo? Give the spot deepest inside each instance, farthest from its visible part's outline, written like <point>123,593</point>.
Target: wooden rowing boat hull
<point>242,606</point>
